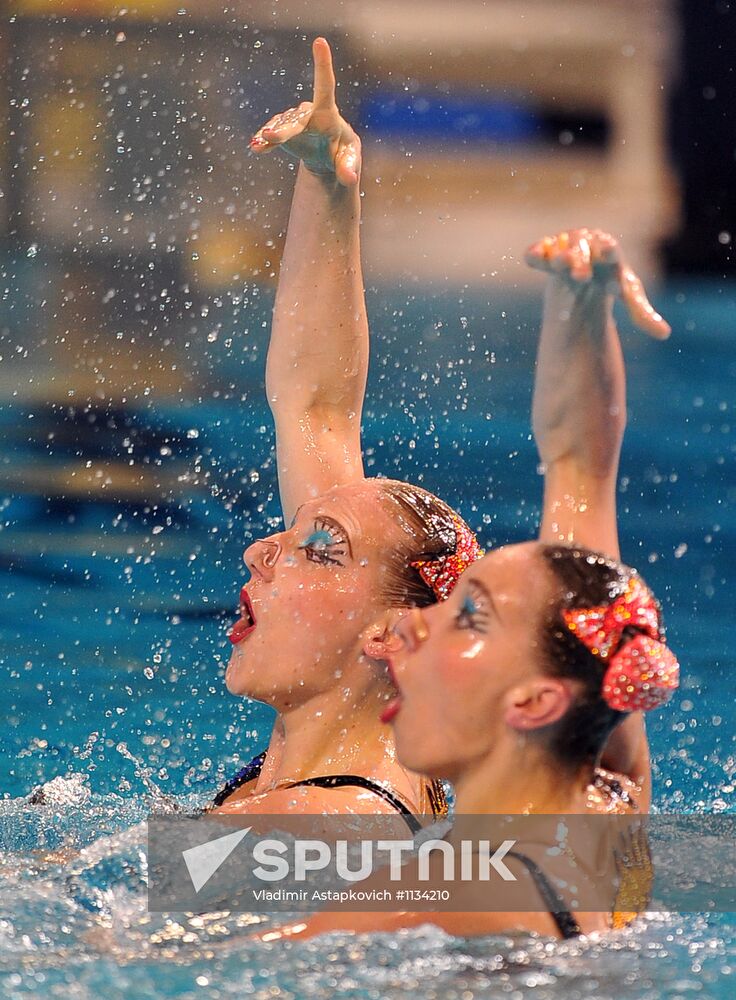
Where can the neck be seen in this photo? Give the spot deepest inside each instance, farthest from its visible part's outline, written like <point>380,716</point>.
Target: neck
<point>519,777</point>
<point>330,734</point>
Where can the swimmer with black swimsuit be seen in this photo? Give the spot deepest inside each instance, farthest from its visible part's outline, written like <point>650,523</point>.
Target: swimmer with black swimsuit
<point>510,690</point>
<point>318,615</point>
<point>325,593</point>
<point>539,667</point>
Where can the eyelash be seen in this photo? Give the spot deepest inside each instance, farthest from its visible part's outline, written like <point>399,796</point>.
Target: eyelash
<point>471,615</point>
<point>319,555</point>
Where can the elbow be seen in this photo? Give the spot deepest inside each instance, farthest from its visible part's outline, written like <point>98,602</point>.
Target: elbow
<point>285,400</point>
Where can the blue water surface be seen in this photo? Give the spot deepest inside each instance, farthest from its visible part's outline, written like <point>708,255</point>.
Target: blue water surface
<point>113,641</point>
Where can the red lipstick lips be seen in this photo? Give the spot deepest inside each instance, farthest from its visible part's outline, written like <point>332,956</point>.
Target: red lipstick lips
<point>391,710</point>
<point>247,621</point>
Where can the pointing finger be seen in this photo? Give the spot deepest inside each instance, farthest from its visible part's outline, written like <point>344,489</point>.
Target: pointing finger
<point>324,75</point>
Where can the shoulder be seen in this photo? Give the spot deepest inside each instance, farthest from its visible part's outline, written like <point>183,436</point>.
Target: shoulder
<point>278,800</point>
<point>310,799</point>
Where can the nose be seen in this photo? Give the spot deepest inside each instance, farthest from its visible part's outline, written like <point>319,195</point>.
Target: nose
<point>412,629</point>
<point>261,557</point>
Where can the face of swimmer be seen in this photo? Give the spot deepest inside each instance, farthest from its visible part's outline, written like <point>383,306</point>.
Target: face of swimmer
<point>313,603</point>
<point>469,669</point>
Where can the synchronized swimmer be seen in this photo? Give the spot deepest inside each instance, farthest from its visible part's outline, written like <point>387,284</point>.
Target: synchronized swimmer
<point>520,676</point>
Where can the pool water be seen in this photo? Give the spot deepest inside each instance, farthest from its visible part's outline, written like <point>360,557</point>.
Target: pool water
<point>112,643</point>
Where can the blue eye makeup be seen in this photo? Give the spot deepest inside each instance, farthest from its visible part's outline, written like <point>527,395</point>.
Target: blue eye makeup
<point>326,544</point>
<point>468,607</point>
<point>318,539</point>
<point>470,615</point>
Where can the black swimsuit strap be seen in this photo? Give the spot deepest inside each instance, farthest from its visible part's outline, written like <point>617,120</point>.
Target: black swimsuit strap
<point>244,775</point>
<point>253,769</point>
<point>358,781</point>
<point>565,920</point>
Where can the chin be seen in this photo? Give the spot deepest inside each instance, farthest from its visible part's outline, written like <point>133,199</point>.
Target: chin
<point>416,755</point>
<point>231,678</point>
<point>240,676</point>
<point>409,752</point>
<point>245,679</point>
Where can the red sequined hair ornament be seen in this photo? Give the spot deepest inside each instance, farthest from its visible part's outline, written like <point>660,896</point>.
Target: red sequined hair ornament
<point>441,574</point>
<point>642,673</point>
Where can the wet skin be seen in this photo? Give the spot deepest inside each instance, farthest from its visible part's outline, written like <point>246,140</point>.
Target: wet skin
<point>315,593</point>
<point>464,661</point>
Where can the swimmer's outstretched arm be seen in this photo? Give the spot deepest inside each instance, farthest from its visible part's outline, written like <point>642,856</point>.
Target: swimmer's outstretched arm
<point>318,354</point>
<point>579,408</point>
<point>579,413</point>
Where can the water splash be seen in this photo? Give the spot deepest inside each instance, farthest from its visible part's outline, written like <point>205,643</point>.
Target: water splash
<point>160,801</point>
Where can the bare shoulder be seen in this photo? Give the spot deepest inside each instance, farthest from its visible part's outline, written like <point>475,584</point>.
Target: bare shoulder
<point>309,799</point>
<point>312,811</point>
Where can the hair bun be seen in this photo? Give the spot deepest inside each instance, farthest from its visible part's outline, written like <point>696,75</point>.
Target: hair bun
<point>442,573</point>
<point>642,675</point>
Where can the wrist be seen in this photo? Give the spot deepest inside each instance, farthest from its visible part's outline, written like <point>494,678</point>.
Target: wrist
<point>328,191</point>
<point>594,297</point>
<point>326,172</point>
<point>319,164</point>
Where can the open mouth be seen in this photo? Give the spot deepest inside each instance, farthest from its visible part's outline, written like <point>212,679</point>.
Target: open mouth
<point>247,621</point>
<point>392,708</point>
<point>392,674</point>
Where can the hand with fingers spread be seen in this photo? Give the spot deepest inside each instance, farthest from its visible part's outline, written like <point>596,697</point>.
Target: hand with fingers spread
<point>585,258</point>
<point>315,132</point>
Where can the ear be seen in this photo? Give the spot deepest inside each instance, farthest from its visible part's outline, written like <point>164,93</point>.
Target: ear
<point>538,703</point>
<point>380,639</point>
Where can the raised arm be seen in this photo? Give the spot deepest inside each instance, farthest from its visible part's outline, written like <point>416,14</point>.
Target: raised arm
<point>579,413</point>
<point>318,354</point>
<point>579,408</point>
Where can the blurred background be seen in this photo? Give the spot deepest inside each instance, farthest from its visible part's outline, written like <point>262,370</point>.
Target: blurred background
<point>139,250</point>
<point>129,195</point>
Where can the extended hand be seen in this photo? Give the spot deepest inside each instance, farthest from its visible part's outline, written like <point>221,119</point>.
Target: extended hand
<point>584,257</point>
<point>314,131</point>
